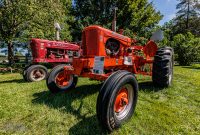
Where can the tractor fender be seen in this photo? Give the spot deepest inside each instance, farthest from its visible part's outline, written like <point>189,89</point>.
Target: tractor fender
<point>150,49</point>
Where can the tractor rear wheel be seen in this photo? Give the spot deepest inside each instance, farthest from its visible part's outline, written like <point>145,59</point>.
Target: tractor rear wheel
<point>35,73</point>
<point>57,81</point>
<point>162,73</point>
<point>117,100</point>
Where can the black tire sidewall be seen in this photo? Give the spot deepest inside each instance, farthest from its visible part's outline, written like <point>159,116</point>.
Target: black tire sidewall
<point>61,65</point>
<point>102,92</point>
<point>114,122</point>
<point>24,72</point>
<point>159,72</point>
<point>106,99</point>
<point>51,83</point>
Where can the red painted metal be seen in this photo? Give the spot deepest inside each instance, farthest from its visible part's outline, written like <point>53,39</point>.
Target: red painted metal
<point>121,100</point>
<point>94,40</point>
<point>62,79</point>
<point>46,51</point>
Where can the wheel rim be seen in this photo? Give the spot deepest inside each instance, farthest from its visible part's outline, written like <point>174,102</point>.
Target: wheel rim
<point>38,74</point>
<point>123,101</point>
<point>63,80</point>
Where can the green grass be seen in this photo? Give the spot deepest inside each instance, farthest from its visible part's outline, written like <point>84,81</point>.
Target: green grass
<point>29,108</point>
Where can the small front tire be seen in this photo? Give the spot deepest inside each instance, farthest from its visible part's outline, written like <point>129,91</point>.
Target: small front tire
<point>117,100</point>
<point>57,81</point>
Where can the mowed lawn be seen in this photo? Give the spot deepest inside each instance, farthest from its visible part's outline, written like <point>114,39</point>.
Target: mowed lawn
<point>29,108</point>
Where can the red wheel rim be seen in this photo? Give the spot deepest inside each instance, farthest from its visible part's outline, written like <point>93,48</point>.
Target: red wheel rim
<point>62,79</point>
<point>121,100</point>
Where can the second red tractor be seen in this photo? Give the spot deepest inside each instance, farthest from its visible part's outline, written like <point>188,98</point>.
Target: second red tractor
<point>51,52</point>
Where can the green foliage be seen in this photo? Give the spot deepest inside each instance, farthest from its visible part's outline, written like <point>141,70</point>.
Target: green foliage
<point>180,32</point>
<point>187,47</point>
<point>34,18</point>
<point>135,16</point>
<point>27,19</point>
<point>187,18</point>
<point>42,26</point>
<point>2,44</point>
<point>186,9</point>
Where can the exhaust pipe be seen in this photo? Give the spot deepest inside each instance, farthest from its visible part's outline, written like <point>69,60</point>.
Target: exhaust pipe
<point>58,29</point>
<point>57,34</point>
<point>114,22</point>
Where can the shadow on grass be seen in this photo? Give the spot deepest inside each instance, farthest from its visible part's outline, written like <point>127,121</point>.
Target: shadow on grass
<point>14,81</point>
<point>191,67</point>
<point>149,87</point>
<point>87,125</point>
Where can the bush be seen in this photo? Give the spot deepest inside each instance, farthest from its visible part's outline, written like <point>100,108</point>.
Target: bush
<point>187,48</point>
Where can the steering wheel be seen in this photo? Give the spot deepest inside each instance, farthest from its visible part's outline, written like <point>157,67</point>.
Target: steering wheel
<point>112,47</point>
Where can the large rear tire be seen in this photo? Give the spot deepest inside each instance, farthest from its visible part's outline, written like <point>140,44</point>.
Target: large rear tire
<point>36,73</point>
<point>162,74</point>
<point>117,100</point>
<point>58,82</point>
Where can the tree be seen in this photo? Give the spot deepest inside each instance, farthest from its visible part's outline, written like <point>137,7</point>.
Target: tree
<point>42,26</point>
<point>187,48</point>
<point>188,12</point>
<point>132,15</point>
<point>31,18</point>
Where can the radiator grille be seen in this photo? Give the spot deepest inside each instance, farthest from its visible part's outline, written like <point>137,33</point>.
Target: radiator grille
<point>90,40</point>
<point>34,49</point>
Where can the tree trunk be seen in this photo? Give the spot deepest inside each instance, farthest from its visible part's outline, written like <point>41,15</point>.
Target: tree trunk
<point>188,14</point>
<point>10,53</point>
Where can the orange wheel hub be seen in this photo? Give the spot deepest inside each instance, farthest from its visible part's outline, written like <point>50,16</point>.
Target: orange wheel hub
<point>62,79</point>
<point>121,100</point>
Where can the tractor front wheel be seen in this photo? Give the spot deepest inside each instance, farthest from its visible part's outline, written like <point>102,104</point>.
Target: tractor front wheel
<point>162,74</point>
<point>117,100</point>
<point>57,81</point>
<point>35,73</point>
<point>24,73</point>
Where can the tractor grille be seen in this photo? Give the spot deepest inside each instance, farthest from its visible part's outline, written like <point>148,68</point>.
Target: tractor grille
<point>34,50</point>
<point>90,42</point>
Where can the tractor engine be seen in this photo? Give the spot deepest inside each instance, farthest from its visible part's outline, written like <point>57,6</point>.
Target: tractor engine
<point>98,41</point>
<point>116,51</point>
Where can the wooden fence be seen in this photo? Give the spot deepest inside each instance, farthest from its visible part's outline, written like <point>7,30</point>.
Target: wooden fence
<point>18,59</point>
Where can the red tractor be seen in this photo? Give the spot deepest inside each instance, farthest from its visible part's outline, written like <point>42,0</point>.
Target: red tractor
<point>114,59</point>
<point>45,51</point>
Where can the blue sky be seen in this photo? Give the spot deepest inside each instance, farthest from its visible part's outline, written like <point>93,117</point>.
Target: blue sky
<point>167,8</point>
